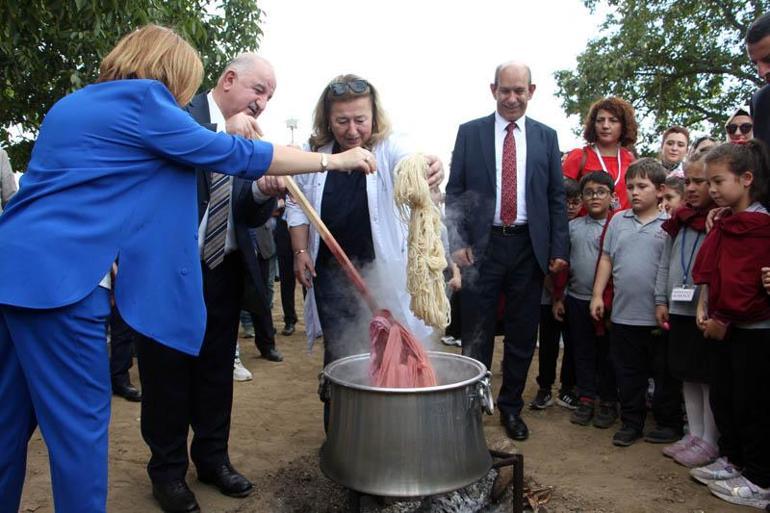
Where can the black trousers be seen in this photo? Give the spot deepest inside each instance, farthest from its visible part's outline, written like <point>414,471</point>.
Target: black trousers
<point>181,391</point>
<point>264,330</point>
<point>508,266</point>
<point>551,331</point>
<point>121,348</point>
<point>740,399</point>
<point>639,355</point>
<point>286,271</point>
<point>455,327</point>
<point>594,374</point>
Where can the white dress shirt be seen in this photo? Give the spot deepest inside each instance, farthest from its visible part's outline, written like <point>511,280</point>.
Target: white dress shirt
<point>231,244</point>
<point>389,236</point>
<point>520,136</point>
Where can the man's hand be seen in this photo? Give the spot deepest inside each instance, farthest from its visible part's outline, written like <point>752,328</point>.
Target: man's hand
<point>766,278</point>
<point>556,265</point>
<point>661,316</point>
<point>558,310</point>
<point>455,283</point>
<point>243,125</point>
<point>597,308</point>
<point>463,257</point>
<point>435,171</point>
<point>270,185</point>
<point>304,269</point>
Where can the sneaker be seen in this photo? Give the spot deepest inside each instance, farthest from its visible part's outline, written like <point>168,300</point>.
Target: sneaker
<point>699,453</point>
<point>583,413</point>
<point>626,436</point>
<point>248,332</point>
<point>567,399</point>
<point>662,435</point>
<point>451,341</point>
<point>606,414</point>
<point>720,470</point>
<point>542,400</point>
<point>240,373</point>
<point>739,490</point>
<point>670,451</point>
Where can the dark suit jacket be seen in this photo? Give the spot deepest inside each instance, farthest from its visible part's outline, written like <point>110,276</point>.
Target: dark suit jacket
<point>760,112</point>
<point>246,213</point>
<point>470,193</point>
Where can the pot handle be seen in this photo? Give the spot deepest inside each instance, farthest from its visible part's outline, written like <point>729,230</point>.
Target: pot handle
<point>323,388</point>
<point>485,393</point>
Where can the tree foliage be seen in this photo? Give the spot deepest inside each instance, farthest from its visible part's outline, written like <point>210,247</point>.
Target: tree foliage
<point>49,48</point>
<point>677,61</point>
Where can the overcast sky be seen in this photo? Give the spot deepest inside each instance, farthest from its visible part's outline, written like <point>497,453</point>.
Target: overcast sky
<point>432,61</point>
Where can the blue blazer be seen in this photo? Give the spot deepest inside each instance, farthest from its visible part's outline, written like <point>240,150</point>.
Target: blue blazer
<point>471,191</point>
<point>112,175</point>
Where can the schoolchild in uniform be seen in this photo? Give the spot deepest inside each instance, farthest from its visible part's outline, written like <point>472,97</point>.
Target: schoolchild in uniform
<point>552,330</point>
<point>676,298</point>
<point>673,194</point>
<point>734,311</point>
<point>593,371</point>
<point>632,249</point>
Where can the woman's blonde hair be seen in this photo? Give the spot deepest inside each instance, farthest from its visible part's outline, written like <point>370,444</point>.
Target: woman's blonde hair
<point>322,133</point>
<point>156,53</point>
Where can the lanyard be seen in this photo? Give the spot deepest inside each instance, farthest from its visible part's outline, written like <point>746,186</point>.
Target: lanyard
<point>686,268</point>
<point>601,161</point>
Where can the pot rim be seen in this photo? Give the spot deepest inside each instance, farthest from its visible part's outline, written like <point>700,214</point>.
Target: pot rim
<point>422,390</point>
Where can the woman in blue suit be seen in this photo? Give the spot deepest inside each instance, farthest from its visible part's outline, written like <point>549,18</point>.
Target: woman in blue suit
<point>111,176</point>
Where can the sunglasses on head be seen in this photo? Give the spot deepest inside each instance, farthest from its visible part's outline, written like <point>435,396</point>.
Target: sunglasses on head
<point>745,128</point>
<point>357,86</point>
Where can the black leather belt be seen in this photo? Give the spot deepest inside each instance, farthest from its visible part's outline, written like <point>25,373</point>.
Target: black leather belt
<point>514,229</point>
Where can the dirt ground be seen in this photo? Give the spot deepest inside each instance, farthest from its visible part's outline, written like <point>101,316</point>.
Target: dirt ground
<point>277,431</point>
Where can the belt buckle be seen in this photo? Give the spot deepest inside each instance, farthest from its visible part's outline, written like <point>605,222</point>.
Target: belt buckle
<point>508,229</point>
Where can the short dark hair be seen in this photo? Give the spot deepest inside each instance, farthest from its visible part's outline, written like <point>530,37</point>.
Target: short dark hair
<point>648,168</point>
<point>599,177</point>
<point>740,158</point>
<point>676,129</point>
<point>675,182</point>
<point>571,188</point>
<point>759,29</point>
<point>619,108</point>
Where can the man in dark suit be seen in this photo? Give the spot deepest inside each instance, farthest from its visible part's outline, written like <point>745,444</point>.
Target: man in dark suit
<point>180,391</point>
<point>758,49</point>
<point>508,227</point>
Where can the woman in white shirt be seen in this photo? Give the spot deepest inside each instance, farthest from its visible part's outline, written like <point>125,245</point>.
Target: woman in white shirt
<point>348,115</point>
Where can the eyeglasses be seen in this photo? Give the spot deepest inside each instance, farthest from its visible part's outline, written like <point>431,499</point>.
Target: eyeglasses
<point>598,193</point>
<point>357,86</point>
<point>745,128</point>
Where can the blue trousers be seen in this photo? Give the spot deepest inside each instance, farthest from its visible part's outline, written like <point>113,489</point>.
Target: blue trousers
<point>54,372</point>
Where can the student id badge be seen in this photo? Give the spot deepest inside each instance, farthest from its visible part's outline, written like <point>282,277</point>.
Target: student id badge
<point>683,294</point>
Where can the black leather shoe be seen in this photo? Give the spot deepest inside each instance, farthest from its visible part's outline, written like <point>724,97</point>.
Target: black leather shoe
<point>288,329</point>
<point>227,479</point>
<point>127,391</point>
<point>273,354</point>
<point>175,497</point>
<point>514,426</point>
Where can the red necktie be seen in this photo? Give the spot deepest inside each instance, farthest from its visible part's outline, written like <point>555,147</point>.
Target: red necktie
<point>508,197</point>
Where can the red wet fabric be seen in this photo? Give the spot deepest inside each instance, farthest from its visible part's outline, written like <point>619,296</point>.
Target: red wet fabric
<point>686,215</point>
<point>397,359</point>
<point>730,262</point>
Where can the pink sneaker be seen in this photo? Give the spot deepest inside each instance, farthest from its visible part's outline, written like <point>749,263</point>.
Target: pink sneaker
<point>699,453</point>
<point>671,450</point>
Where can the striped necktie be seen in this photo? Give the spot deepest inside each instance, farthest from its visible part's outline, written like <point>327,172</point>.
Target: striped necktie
<point>216,227</point>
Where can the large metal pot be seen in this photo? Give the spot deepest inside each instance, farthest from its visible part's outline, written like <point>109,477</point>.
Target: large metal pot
<point>406,442</point>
